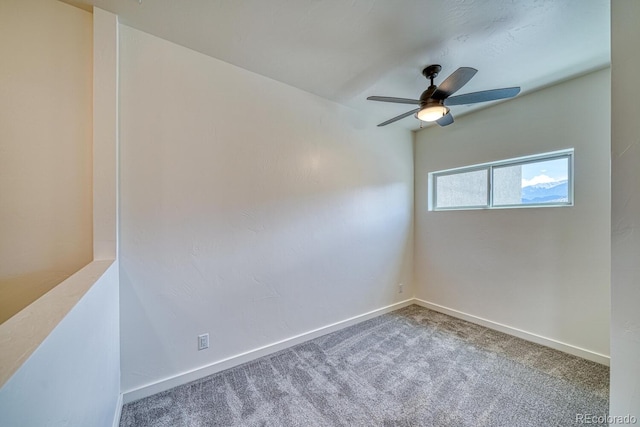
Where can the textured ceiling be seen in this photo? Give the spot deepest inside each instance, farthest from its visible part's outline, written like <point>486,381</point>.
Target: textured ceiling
<point>347,50</point>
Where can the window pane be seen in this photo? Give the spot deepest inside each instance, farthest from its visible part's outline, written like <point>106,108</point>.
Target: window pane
<point>507,185</point>
<point>466,189</point>
<point>540,182</point>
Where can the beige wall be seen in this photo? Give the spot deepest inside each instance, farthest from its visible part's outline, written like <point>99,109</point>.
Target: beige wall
<point>61,354</point>
<point>544,271</point>
<point>45,147</point>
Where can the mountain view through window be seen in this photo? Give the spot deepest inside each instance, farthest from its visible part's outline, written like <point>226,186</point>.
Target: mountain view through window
<point>532,183</point>
<point>540,180</point>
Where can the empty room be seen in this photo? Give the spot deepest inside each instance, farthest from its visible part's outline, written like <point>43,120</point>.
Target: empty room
<point>319,213</point>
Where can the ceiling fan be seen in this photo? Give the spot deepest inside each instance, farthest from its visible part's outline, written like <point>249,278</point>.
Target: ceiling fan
<point>435,101</point>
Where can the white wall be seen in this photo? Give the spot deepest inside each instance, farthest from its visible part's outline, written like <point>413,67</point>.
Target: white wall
<point>544,271</point>
<point>72,379</point>
<point>45,148</point>
<point>250,210</point>
<point>625,212</point>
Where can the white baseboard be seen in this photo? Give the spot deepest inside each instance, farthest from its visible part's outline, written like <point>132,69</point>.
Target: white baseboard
<point>230,362</point>
<point>118,411</point>
<point>548,342</point>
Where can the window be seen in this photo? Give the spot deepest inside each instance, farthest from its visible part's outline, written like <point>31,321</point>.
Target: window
<point>533,181</point>
<point>464,189</point>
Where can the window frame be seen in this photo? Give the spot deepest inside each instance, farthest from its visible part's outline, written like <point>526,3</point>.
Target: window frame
<point>489,167</point>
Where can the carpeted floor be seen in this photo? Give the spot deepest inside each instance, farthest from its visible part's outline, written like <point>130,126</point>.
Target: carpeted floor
<point>412,367</point>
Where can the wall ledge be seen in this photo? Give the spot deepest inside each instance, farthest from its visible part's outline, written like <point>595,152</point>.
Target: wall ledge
<point>23,333</point>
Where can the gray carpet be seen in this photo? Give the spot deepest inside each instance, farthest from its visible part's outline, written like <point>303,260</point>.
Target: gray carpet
<point>412,367</point>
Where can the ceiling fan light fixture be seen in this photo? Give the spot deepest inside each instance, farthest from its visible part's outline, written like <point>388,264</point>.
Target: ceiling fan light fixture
<point>431,113</point>
<point>431,104</point>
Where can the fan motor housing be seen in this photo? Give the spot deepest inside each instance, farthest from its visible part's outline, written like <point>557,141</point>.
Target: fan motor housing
<point>426,95</point>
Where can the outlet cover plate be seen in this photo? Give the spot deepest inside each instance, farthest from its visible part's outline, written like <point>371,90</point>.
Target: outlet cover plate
<point>203,341</point>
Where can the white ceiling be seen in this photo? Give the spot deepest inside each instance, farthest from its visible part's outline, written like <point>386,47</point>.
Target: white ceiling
<point>346,50</point>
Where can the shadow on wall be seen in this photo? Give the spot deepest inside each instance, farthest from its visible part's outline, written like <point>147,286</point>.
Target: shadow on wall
<point>18,292</point>
<point>254,277</point>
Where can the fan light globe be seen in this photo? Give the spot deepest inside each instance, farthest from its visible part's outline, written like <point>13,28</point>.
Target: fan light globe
<point>432,113</point>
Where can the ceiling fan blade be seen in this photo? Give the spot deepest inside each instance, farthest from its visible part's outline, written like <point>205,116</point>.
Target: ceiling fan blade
<point>483,96</point>
<point>401,116</point>
<point>454,82</point>
<point>396,100</point>
<point>445,120</point>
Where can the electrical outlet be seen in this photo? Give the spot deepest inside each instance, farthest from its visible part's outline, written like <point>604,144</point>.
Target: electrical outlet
<point>203,341</point>
<point>400,288</point>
